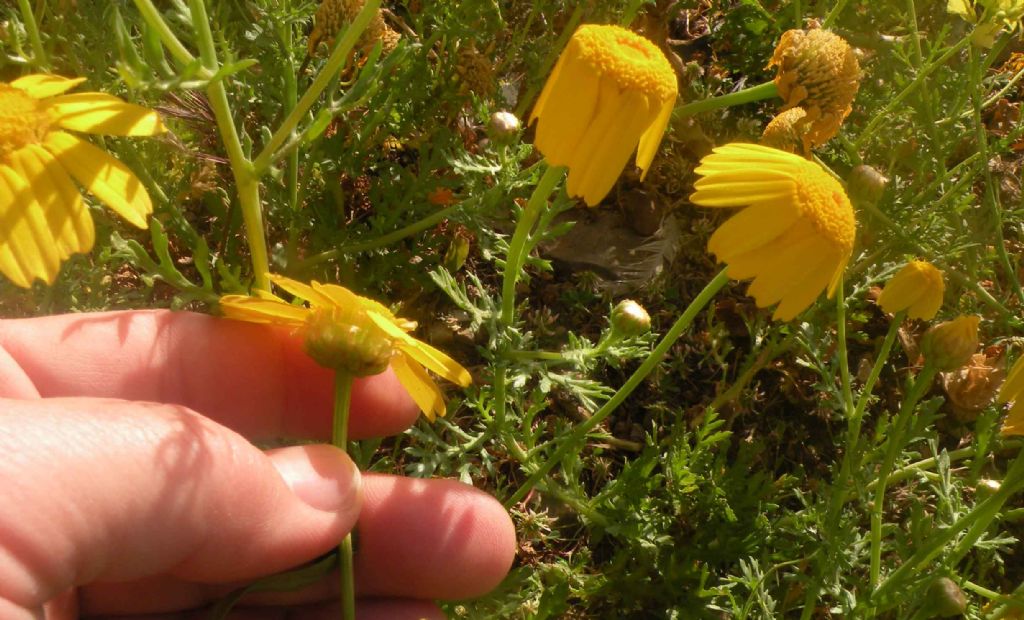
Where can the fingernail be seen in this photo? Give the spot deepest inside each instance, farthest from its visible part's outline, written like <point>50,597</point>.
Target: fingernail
<point>320,475</point>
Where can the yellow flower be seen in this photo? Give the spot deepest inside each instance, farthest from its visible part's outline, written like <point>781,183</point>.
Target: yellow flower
<point>917,288</point>
<point>787,131</point>
<point>610,91</point>
<point>42,217</point>
<point>795,234</point>
<point>950,345</point>
<point>995,16</point>
<point>1013,390</point>
<point>819,72</point>
<point>342,328</point>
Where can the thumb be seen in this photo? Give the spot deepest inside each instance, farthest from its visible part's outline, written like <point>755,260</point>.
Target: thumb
<point>109,490</point>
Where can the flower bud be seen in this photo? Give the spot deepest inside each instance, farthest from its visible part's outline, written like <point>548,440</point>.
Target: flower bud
<point>503,126</point>
<point>866,185</point>
<point>346,339</point>
<point>629,319</point>
<point>916,288</point>
<point>950,345</point>
<point>945,599</point>
<point>986,488</point>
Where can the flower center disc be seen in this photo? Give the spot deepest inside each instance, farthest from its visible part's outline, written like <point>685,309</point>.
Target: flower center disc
<point>23,120</point>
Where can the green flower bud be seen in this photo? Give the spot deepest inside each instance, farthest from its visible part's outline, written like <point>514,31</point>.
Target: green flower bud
<point>945,598</point>
<point>347,340</point>
<point>629,319</point>
<point>866,185</point>
<point>950,345</point>
<point>503,126</point>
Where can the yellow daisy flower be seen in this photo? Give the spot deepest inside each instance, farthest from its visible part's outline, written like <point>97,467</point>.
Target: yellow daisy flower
<point>342,330</point>
<point>795,234</point>
<point>916,288</point>
<point>819,72</point>
<point>42,217</point>
<point>1013,391</point>
<point>611,92</point>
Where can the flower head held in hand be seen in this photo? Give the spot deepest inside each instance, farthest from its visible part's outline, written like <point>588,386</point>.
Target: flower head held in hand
<point>612,91</point>
<point>346,332</point>
<point>42,217</point>
<point>795,232</point>
<point>916,288</point>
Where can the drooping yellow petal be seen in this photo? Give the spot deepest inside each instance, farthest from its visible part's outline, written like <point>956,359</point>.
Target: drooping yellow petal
<point>752,262</point>
<point>423,353</point>
<point>27,248</point>
<point>421,387</point>
<point>104,114</point>
<point>568,112</point>
<point>1013,386</point>
<point>804,292</point>
<point>256,310</point>
<point>302,291</point>
<point>651,139</point>
<point>609,150</point>
<point>750,228</point>
<point>66,216</point>
<point>103,176</point>
<point>787,269</point>
<point>1014,422</point>
<point>43,85</point>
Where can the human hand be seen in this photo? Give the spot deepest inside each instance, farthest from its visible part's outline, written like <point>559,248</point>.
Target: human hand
<point>128,486</point>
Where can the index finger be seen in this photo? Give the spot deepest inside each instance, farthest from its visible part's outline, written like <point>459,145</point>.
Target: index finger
<point>252,378</point>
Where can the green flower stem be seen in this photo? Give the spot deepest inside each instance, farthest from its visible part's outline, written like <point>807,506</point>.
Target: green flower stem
<point>333,66</point>
<point>885,113</point>
<point>747,95</point>
<point>897,438</point>
<point>28,19</point>
<point>517,247</point>
<point>573,440</point>
<point>991,196</point>
<point>339,438</point>
<point>855,419</point>
<point>844,361</point>
<point>384,240</point>
<point>974,523</point>
<point>837,8</point>
<point>245,176</point>
<point>156,21</point>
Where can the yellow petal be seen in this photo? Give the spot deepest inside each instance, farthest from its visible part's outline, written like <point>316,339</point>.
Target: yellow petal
<point>804,292</point>
<point>569,111</point>
<point>1014,422</point>
<point>421,387</point>
<point>104,114</point>
<point>787,269</point>
<point>66,216</point>
<point>927,306</point>
<point>256,310</point>
<point>105,177</point>
<point>42,85</point>
<point>302,291</point>
<point>1014,384</point>
<point>545,93</point>
<point>750,264</point>
<point>651,139</point>
<point>422,352</point>
<point>27,248</point>
<point>750,228</point>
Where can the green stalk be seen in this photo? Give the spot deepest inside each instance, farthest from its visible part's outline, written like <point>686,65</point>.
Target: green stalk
<point>573,440</point>
<point>975,523</point>
<point>28,19</point>
<point>333,66</point>
<point>897,438</point>
<point>384,240</point>
<point>246,179</point>
<point>339,438</point>
<point>156,21</point>
<point>747,95</point>
<point>844,362</point>
<point>517,247</point>
<point>837,8</point>
<point>854,420</point>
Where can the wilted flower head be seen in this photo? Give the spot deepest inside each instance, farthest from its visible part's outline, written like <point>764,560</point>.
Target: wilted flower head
<point>787,131</point>
<point>332,16</point>
<point>795,232</point>
<point>44,219</point>
<point>1013,392</point>
<point>344,331</point>
<point>916,288</point>
<point>612,91</point>
<point>950,345</point>
<point>818,71</point>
